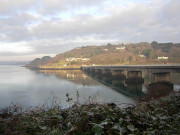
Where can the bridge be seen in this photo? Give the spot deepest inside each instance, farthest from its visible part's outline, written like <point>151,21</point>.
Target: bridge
<point>134,72</point>
<point>130,76</point>
<point>149,68</point>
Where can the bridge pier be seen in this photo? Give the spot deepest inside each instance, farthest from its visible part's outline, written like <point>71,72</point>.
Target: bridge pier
<point>118,75</point>
<point>160,77</point>
<point>117,82</point>
<point>106,75</point>
<point>134,74</point>
<point>159,87</point>
<point>134,82</point>
<point>134,77</point>
<point>135,89</point>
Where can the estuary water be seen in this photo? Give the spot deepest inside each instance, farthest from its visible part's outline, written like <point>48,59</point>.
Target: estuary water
<point>26,88</point>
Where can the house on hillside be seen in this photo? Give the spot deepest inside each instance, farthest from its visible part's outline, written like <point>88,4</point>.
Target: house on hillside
<point>163,58</point>
<point>77,59</point>
<point>120,48</point>
<point>70,59</point>
<point>85,59</point>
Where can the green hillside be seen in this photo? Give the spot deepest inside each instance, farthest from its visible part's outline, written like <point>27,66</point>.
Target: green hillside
<point>134,53</point>
<point>38,62</point>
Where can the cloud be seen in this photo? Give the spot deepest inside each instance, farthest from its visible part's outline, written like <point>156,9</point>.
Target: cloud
<point>44,26</point>
<point>15,47</point>
<point>8,7</point>
<point>24,57</point>
<point>53,6</point>
<point>133,20</point>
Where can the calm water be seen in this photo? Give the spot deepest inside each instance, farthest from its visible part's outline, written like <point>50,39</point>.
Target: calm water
<point>31,88</point>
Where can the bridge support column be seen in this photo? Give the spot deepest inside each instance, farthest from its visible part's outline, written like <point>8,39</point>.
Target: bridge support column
<point>118,75</point>
<point>117,82</point>
<point>134,82</point>
<point>134,77</point>
<point>134,74</point>
<point>158,89</point>
<point>135,89</point>
<point>106,75</point>
<point>160,77</point>
<point>160,86</point>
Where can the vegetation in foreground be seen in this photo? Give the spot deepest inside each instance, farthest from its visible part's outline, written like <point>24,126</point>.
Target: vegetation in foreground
<point>160,116</point>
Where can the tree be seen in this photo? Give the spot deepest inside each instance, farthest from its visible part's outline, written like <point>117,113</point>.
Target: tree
<point>147,52</point>
<point>109,45</point>
<point>130,58</point>
<point>154,43</point>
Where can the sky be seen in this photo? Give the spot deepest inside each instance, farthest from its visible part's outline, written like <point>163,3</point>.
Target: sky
<point>36,28</point>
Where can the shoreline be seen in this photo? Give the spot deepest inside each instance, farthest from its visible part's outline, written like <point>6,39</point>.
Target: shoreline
<point>37,68</point>
<point>177,65</point>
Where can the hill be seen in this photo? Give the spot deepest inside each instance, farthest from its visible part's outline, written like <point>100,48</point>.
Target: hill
<point>137,53</point>
<point>38,62</point>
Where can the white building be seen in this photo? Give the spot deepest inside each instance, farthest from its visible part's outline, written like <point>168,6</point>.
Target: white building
<point>85,59</point>
<point>76,59</point>
<point>163,58</point>
<point>70,59</point>
<point>120,48</point>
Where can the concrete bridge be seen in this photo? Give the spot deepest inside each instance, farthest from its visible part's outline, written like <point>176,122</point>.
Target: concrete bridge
<point>130,77</point>
<point>134,72</point>
<point>149,68</point>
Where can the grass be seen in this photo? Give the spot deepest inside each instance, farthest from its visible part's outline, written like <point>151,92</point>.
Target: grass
<point>160,116</point>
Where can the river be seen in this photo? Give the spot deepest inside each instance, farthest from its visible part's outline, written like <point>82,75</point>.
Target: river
<point>26,88</point>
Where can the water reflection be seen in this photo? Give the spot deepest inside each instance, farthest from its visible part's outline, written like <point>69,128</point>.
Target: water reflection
<point>26,87</point>
<point>141,85</point>
<point>157,90</point>
<point>75,76</point>
<point>127,83</point>
<point>31,88</point>
<point>160,86</point>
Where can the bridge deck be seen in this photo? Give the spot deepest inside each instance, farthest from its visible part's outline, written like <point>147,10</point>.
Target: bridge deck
<point>149,68</point>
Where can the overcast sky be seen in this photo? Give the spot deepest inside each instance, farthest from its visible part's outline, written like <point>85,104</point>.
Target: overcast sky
<point>34,28</point>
